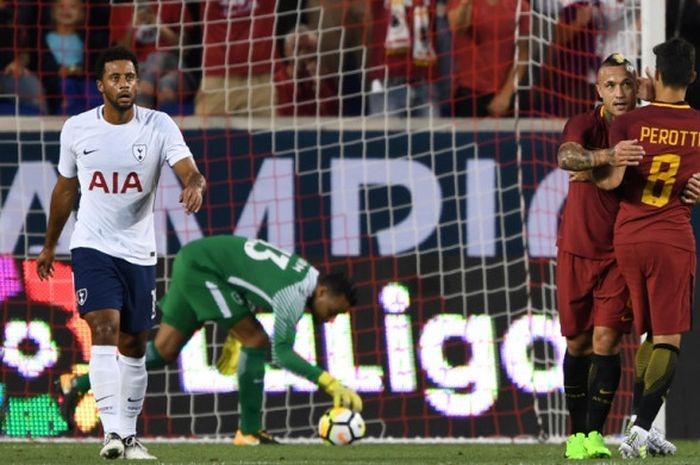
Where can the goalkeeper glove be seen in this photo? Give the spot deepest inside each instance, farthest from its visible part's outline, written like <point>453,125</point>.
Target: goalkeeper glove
<point>342,395</point>
<point>227,364</point>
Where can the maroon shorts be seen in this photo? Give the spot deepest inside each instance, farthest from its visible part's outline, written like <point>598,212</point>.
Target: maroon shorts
<point>660,278</point>
<point>591,293</point>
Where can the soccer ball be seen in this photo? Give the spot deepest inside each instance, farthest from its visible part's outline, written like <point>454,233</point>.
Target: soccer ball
<point>341,426</point>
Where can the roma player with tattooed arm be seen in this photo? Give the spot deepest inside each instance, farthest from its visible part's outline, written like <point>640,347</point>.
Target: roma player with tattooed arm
<point>114,154</point>
<point>592,295</point>
<point>224,279</point>
<point>653,239</point>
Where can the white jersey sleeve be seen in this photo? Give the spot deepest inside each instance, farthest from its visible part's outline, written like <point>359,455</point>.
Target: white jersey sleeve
<point>67,166</point>
<point>174,147</point>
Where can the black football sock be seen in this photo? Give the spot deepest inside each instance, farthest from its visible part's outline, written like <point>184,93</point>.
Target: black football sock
<point>576,390</point>
<point>603,379</point>
<point>657,381</point>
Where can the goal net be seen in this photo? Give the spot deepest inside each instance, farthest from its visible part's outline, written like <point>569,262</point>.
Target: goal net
<point>387,139</point>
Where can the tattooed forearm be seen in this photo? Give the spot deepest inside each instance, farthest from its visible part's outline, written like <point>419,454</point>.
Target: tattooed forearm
<point>573,157</point>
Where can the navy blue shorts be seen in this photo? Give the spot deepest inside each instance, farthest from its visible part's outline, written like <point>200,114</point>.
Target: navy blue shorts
<point>102,281</point>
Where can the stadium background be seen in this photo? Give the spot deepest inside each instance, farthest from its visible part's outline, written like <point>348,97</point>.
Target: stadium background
<point>461,212</point>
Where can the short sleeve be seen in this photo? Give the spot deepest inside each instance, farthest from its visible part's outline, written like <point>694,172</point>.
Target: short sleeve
<point>67,166</point>
<point>174,146</point>
<point>576,130</point>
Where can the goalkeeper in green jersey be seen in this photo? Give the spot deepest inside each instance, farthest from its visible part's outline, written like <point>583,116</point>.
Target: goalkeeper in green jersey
<point>224,279</point>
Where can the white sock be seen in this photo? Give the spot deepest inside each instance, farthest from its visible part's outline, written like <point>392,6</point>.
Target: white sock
<point>133,390</point>
<point>105,382</point>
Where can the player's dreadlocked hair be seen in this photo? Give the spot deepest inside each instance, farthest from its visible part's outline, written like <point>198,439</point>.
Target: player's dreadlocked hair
<point>114,54</point>
<point>675,61</point>
<point>618,59</point>
<point>339,284</point>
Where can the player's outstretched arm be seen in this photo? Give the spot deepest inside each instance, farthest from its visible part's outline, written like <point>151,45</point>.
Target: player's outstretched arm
<point>62,200</point>
<point>574,157</point>
<point>625,153</point>
<point>193,182</point>
<point>283,355</point>
<point>341,394</point>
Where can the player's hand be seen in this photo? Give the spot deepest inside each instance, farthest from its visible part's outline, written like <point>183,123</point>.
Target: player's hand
<point>626,153</point>
<point>191,199</point>
<point>44,263</point>
<point>645,86</point>
<point>500,104</point>
<point>342,395</point>
<point>227,364</point>
<point>691,193</point>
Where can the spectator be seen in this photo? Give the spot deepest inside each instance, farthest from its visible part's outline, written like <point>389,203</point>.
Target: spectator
<point>17,80</point>
<point>154,32</point>
<point>343,27</point>
<point>67,48</point>
<point>238,58</point>
<point>570,68</point>
<point>302,89</point>
<point>621,34</point>
<point>483,47</point>
<point>585,32</point>
<point>73,79</point>
<point>402,58</point>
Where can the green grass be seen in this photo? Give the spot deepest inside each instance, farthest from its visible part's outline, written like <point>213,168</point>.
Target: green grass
<point>30,453</point>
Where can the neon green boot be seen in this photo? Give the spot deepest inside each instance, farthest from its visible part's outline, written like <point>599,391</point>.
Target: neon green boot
<point>595,446</point>
<point>576,447</point>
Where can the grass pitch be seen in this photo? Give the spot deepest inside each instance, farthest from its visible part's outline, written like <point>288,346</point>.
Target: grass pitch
<point>78,453</point>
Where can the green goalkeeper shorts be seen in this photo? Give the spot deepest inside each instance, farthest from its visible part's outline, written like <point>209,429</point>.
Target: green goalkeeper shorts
<point>197,295</point>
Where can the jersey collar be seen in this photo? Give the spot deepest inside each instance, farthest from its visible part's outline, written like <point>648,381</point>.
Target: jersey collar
<point>681,104</point>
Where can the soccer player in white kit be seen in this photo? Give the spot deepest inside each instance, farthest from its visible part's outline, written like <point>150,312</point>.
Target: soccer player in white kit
<point>114,154</point>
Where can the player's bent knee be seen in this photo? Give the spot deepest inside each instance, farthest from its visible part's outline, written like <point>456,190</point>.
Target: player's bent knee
<point>104,333</point>
<point>606,341</point>
<point>257,340</point>
<point>167,352</point>
<point>580,345</point>
<point>133,345</point>
<point>104,326</point>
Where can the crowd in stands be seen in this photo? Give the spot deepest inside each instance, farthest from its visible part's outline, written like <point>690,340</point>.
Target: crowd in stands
<point>449,58</point>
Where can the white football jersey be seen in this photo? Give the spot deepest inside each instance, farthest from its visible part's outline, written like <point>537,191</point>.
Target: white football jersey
<point>118,167</point>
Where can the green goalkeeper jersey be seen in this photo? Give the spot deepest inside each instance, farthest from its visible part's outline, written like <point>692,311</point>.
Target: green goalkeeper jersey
<point>254,274</point>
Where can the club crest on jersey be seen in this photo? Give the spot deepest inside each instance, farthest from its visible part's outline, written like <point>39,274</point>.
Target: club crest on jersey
<point>237,298</point>
<point>139,152</point>
<point>81,296</point>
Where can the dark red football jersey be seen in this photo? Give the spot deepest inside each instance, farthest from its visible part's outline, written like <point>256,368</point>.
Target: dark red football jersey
<point>651,209</point>
<point>586,227</point>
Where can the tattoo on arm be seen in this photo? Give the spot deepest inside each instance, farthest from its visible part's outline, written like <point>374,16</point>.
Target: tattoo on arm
<point>573,157</point>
